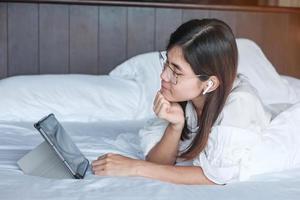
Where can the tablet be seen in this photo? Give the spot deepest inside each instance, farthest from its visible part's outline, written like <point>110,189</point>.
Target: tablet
<point>58,139</point>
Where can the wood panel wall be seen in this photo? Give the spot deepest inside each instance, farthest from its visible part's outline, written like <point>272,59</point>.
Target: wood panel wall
<point>93,39</point>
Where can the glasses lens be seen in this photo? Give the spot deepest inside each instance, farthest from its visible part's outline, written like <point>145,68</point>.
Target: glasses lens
<point>168,71</point>
<point>170,74</point>
<point>174,78</point>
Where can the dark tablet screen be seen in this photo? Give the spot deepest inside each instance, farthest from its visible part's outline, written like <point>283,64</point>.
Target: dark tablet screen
<point>54,133</point>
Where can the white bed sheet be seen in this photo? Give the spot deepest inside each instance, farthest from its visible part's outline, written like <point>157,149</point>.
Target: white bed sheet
<point>97,138</point>
<point>94,139</point>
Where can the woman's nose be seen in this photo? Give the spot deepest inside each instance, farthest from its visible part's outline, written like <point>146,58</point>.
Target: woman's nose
<point>164,76</point>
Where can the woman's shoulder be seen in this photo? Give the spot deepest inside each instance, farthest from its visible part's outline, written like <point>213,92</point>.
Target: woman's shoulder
<point>243,95</point>
<point>242,89</point>
<point>243,107</point>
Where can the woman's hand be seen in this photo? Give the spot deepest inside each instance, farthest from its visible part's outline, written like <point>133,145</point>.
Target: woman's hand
<point>170,111</point>
<point>115,165</point>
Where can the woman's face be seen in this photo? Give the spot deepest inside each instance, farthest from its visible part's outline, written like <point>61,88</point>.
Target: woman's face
<point>188,85</point>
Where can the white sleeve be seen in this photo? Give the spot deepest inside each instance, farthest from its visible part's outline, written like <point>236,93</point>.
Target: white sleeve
<point>152,133</point>
<point>227,146</point>
<point>238,130</point>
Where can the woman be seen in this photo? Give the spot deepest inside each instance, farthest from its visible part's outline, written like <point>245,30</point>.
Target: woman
<point>208,116</point>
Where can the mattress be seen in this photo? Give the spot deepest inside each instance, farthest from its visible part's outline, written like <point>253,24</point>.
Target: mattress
<point>97,137</point>
<point>94,139</point>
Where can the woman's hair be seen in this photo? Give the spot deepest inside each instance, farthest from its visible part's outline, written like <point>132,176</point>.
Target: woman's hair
<point>209,46</point>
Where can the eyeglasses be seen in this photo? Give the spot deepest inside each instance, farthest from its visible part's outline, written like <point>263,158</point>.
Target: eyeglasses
<point>170,72</point>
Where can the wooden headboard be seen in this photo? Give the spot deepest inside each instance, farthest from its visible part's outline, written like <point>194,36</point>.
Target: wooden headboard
<point>93,36</point>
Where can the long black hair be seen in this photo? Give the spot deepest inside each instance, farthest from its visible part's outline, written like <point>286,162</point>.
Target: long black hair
<point>209,46</point>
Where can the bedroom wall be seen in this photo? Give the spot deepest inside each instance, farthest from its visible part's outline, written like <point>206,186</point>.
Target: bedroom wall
<point>39,38</point>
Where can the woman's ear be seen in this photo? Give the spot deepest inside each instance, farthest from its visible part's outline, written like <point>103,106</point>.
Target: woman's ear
<point>211,84</point>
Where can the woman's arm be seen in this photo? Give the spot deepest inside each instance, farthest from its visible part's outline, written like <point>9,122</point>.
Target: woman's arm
<point>166,150</point>
<point>173,174</point>
<point>118,165</point>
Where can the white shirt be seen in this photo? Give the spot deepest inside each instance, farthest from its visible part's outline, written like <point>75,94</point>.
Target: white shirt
<point>236,130</point>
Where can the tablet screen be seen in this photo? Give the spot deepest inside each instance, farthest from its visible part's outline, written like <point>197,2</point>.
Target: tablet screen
<point>52,130</point>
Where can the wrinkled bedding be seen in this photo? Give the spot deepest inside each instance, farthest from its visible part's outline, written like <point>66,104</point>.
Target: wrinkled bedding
<point>125,97</point>
<point>95,139</point>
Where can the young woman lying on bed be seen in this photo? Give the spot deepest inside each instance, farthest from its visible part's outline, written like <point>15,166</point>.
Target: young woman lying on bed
<point>205,112</point>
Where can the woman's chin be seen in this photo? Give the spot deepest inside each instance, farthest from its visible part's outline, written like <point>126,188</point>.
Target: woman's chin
<point>166,94</point>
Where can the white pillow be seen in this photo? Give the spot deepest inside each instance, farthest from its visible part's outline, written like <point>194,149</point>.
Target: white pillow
<point>146,69</point>
<point>262,75</point>
<point>279,147</point>
<point>294,83</point>
<point>128,92</point>
<point>70,97</point>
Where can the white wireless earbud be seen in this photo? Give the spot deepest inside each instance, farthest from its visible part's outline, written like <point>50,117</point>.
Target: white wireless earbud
<point>209,85</point>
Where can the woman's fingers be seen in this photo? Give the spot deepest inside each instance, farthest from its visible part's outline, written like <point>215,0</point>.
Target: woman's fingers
<point>101,160</point>
<point>98,168</point>
<point>162,109</point>
<point>99,165</point>
<point>101,157</point>
<point>98,162</point>
<point>161,100</point>
<point>105,156</point>
<point>157,100</point>
<point>157,97</point>
<point>157,108</point>
<point>161,106</point>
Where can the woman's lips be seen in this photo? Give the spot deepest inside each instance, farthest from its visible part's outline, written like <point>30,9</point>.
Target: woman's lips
<point>164,86</point>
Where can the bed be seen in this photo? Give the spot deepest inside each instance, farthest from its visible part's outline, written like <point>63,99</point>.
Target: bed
<point>106,99</point>
<point>112,129</point>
